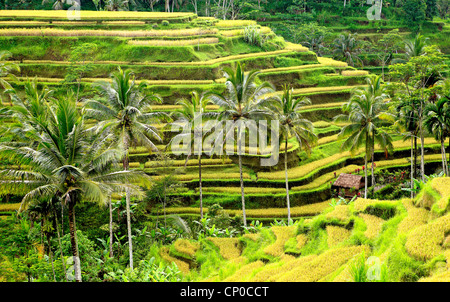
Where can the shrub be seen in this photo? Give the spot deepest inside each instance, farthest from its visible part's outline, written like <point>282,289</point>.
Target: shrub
<point>165,23</point>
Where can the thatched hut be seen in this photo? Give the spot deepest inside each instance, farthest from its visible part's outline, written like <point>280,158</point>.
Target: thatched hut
<point>348,184</point>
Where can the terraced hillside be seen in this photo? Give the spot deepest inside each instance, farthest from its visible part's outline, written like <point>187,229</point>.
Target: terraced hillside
<point>180,53</point>
<point>386,240</point>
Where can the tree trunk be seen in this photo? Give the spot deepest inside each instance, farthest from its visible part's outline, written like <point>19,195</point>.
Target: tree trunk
<point>365,174</point>
<point>130,241</point>
<point>422,145</point>
<point>422,153</point>
<point>412,165</point>
<point>287,182</point>
<point>110,228</point>
<point>242,180</point>
<point>74,242</point>
<point>373,163</point>
<point>444,158</point>
<point>415,155</point>
<point>59,243</point>
<point>51,256</point>
<point>200,184</point>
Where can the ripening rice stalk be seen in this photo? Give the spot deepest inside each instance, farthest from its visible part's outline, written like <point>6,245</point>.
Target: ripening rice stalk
<point>185,42</point>
<point>96,15</point>
<point>240,32</point>
<point>182,266</point>
<point>228,247</point>
<point>442,186</point>
<point>235,23</point>
<point>8,207</point>
<point>186,247</point>
<point>322,265</point>
<point>336,235</point>
<point>330,62</point>
<point>340,212</point>
<point>424,242</point>
<point>438,277</point>
<point>374,225</point>
<point>247,190</point>
<point>245,272</point>
<point>99,32</point>
<point>282,234</point>
<point>12,23</point>
<point>416,217</point>
<point>352,73</point>
<point>129,22</point>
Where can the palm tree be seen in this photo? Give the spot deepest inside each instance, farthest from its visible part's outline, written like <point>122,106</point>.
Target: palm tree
<point>407,115</point>
<point>287,111</point>
<point>347,47</point>
<point>125,110</point>
<point>437,122</point>
<point>366,113</point>
<point>413,48</point>
<point>68,162</point>
<point>243,102</point>
<point>191,116</point>
<point>5,71</point>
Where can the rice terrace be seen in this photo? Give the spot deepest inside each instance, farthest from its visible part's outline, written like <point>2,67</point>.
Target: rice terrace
<point>224,141</point>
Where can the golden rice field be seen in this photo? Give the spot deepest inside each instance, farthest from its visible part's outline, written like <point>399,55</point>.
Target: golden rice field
<point>42,32</point>
<point>265,256</point>
<point>97,15</point>
<point>185,42</point>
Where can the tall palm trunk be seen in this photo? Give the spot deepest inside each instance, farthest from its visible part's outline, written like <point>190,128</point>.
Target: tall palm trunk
<point>412,165</point>
<point>242,181</point>
<point>110,228</point>
<point>200,184</point>
<point>74,242</point>
<point>415,155</point>
<point>59,243</point>
<point>127,198</point>
<point>422,145</point>
<point>373,162</point>
<point>444,157</point>
<point>365,172</point>
<point>287,182</point>
<point>51,256</point>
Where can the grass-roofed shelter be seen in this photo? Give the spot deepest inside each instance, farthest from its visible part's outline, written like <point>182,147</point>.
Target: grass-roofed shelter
<point>349,184</point>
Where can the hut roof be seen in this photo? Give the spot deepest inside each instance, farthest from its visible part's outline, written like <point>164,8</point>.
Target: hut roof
<point>349,181</point>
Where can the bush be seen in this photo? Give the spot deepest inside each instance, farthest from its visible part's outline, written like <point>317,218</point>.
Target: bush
<point>165,23</point>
